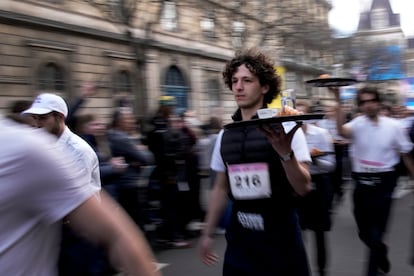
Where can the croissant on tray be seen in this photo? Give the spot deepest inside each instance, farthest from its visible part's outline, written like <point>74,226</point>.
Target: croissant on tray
<point>324,76</point>
<point>315,152</point>
<point>289,111</point>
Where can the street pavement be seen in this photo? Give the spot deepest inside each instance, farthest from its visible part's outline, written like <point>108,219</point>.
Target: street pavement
<point>347,254</point>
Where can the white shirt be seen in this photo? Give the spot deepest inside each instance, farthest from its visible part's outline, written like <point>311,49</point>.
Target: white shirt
<point>330,126</point>
<point>299,147</point>
<point>319,138</point>
<point>406,123</point>
<point>84,155</point>
<point>40,185</point>
<point>377,146</point>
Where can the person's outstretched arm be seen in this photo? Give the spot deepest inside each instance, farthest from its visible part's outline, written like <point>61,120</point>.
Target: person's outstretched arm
<point>105,224</point>
<point>340,118</point>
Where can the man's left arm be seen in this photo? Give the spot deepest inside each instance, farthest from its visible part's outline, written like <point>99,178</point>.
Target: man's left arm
<point>405,147</point>
<point>409,163</point>
<point>297,171</point>
<point>298,175</point>
<point>105,224</point>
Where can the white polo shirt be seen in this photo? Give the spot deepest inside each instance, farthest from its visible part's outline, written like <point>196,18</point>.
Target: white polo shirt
<point>377,146</point>
<point>319,138</point>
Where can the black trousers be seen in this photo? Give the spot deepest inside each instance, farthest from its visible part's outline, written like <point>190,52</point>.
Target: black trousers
<point>129,199</point>
<point>340,154</point>
<point>372,205</point>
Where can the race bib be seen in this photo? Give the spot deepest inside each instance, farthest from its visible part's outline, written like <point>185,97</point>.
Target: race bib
<point>368,166</point>
<point>249,181</point>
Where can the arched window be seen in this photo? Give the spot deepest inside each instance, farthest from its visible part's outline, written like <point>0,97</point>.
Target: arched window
<point>175,86</point>
<point>51,77</point>
<point>122,82</point>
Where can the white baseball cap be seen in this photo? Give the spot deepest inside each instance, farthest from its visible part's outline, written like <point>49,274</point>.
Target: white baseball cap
<point>46,103</point>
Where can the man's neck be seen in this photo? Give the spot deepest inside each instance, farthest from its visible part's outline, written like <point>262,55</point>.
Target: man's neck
<point>60,132</point>
<point>373,118</point>
<point>248,113</point>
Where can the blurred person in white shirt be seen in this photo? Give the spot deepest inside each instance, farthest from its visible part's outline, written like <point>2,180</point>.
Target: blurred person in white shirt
<point>315,207</point>
<point>49,112</point>
<point>42,186</point>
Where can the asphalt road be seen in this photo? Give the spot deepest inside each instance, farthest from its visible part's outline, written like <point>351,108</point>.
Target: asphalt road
<point>347,253</point>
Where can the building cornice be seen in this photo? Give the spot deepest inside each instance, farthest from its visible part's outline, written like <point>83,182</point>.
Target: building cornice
<point>294,64</point>
<point>119,55</point>
<point>13,80</point>
<point>53,45</point>
<point>391,30</point>
<point>12,18</point>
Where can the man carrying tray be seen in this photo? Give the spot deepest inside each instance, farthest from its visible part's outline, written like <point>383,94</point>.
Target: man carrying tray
<point>262,169</point>
<point>377,143</point>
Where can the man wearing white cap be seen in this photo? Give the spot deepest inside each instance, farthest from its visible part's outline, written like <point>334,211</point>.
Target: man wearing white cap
<point>49,112</point>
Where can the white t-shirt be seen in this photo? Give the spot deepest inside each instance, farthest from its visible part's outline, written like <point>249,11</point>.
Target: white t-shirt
<point>84,155</point>
<point>40,185</point>
<point>330,126</point>
<point>319,138</point>
<point>406,123</point>
<point>377,146</point>
<point>299,147</point>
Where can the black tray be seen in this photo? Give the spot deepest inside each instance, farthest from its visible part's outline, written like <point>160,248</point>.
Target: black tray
<point>331,82</point>
<point>272,120</point>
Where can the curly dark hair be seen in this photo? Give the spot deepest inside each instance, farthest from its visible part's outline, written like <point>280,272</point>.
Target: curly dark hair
<point>258,64</point>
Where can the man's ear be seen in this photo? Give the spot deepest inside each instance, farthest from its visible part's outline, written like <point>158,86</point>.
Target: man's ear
<point>60,116</point>
<point>265,89</point>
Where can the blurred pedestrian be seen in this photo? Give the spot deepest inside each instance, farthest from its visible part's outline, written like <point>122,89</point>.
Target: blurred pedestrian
<point>15,112</point>
<point>191,134</point>
<point>49,111</point>
<point>42,187</point>
<point>341,150</point>
<point>123,145</point>
<point>94,131</point>
<point>215,125</point>
<point>213,128</point>
<point>165,140</point>
<point>262,169</point>
<point>377,142</point>
<point>315,207</point>
<point>77,255</point>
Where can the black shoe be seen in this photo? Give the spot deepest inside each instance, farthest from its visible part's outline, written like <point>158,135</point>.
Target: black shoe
<point>384,264</point>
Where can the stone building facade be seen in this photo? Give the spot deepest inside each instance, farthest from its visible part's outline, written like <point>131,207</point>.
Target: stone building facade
<point>382,52</point>
<point>140,50</point>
